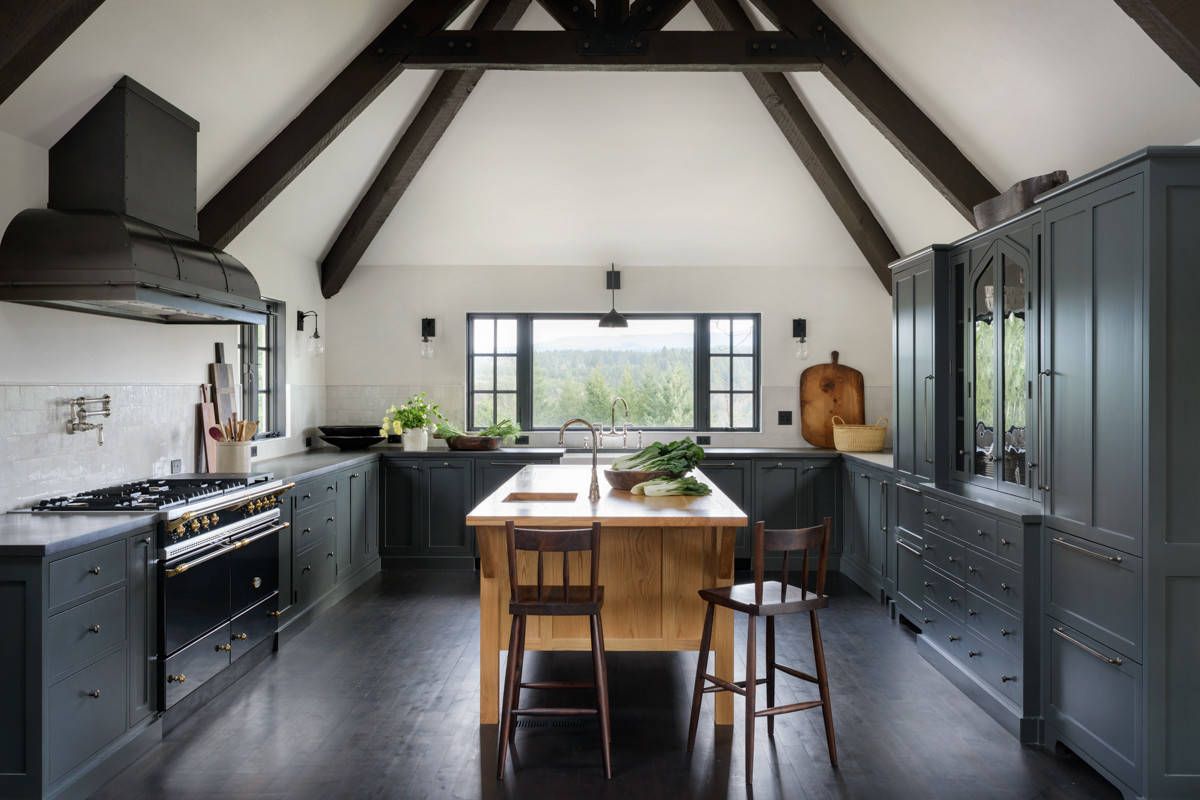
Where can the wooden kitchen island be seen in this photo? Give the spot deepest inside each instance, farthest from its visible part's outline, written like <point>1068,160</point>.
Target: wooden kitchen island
<point>655,553</point>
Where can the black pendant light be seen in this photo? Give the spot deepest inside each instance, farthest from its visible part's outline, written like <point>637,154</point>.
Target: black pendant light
<point>614,318</point>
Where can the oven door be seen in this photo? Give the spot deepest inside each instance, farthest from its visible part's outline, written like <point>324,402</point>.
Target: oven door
<point>194,594</point>
<point>254,568</point>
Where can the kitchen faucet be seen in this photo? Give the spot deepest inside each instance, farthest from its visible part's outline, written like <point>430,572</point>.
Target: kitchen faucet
<point>594,489</point>
<point>612,428</point>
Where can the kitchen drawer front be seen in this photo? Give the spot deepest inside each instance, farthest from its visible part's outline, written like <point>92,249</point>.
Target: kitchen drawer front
<point>994,580</point>
<point>945,554</point>
<point>84,573</point>
<point>944,593</point>
<point>87,711</point>
<point>993,623</point>
<point>1010,542</point>
<point>909,505</point>
<point>944,632</point>
<point>78,635</point>
<point>993,665</point>
<point>315,492</point>
<point>185,671</point>
<point>253,626</point>
<point>1093,704</point>
<point>1095,589</point>
<point>967,526</point>
<point>314,573</point>
<point>311,525</point>
<point>910,592</point>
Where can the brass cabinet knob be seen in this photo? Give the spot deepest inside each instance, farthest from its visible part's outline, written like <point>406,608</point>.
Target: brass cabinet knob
<point>180,678</point>
<point>94,694</point>
<point>214,519</point>
<point>224,647</point>
<point>204,523</point>
<point>240,637</point>
<point>94,570</point>
<point>277,613</point>
<point>1005,632</point>
<point>195,525</point>
<point>93,628</point>
<point>1004,586</point>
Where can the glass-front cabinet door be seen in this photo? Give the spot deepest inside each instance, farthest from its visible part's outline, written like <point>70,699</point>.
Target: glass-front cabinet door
<point>995,350</point>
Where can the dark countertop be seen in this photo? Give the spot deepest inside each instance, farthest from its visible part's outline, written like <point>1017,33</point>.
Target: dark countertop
<point>987,500</point>
<point>311,463</point>
<point>51,533</point>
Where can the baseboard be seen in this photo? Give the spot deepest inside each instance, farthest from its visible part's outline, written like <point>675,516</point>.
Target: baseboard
<point>108,763</point>
<point>870,583</point>
<point>304,618</point>
<point>1000,709</point>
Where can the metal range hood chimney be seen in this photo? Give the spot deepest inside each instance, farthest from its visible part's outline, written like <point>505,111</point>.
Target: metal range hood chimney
<point>119,237</point>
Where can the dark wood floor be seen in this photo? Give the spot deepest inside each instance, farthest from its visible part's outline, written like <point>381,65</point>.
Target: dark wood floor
<point>378,698</point>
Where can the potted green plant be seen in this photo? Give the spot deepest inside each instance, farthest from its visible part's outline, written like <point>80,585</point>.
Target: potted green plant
<point>412,421</point>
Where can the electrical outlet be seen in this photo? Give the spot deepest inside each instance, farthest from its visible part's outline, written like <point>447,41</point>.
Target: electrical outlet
<point>176,466</point>
<point>703,440</point>
<point>307,441</point>
<point>254,451</point>
<point>522,439</point>
<point>785,418</point>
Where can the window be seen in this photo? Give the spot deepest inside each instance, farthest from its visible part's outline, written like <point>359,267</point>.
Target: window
<point>260,349</point>
<point>675,371</point>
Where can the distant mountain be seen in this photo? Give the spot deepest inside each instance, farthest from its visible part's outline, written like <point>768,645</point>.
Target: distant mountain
<point>675,341</point>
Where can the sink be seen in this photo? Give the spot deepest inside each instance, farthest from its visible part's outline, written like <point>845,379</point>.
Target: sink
<point>541,497</point>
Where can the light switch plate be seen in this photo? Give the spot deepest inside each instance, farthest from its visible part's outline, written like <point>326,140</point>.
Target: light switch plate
<point>785,417</point>
<point>703,440</point>
<point>176,466</point>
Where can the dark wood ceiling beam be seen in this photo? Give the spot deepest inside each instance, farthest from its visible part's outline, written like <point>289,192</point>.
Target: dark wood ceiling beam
<point>891,111</point>
<point>572,15</point>
<point>652,15</point>
<point>678,51</point>
<point>1174,25</point>
<point>283,158</point>
<point>803,134</point>
<point>31,31</point>
<point>449,94</point>
<point>610,14</point>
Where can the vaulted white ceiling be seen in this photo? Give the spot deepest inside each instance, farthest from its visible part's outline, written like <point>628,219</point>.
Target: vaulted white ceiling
<point>583,168</point>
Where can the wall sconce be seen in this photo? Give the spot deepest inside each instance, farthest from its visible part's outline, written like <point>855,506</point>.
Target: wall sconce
<point>315,344</point>
<point>428,332</point>
<point>800,334</point>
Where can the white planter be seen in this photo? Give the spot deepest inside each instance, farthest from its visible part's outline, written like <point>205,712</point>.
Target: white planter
<point>416,439</point>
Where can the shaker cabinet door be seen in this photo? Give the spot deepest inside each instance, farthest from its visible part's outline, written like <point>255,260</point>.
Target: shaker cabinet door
<point>451,492</point>
<point>403,508</point>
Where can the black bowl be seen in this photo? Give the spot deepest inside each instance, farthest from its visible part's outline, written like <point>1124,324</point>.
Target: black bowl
<point>349,430</point>
<point>353,442</point>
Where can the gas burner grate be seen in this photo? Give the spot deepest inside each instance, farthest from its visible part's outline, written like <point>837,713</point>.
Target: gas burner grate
<point>150,495</point>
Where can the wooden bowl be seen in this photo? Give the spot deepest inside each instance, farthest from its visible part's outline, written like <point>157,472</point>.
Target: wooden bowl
<point>473,442</point>
<point>627,479</point>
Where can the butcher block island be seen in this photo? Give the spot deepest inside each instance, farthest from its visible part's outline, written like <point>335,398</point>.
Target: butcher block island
<point>655,554</point>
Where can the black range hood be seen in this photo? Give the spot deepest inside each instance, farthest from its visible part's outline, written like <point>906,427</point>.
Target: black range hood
<point>119,237</point>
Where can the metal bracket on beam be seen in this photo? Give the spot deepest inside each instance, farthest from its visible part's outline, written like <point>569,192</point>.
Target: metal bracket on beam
<point>603,43</point>
<point>834,43</point>
<point>445,44</point>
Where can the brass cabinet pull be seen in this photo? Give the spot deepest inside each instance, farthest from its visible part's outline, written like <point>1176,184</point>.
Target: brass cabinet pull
<point>224,647</point>
<point>908,547</point>
<point>1116,662</point>
<point>240,637</point>
<point>276,613</point>
<point>94,570</point>
<point>180,678</point>
<point>94,694</point>
<point>93,628</point>
<point>1102,556</point>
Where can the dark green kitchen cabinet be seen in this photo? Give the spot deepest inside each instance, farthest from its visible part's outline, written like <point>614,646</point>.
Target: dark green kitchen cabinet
<point>735,478</point>
<point>866,508</point>
<point>797,493</point>
<point>450,495</point>
<point>362,493</point>
<point>403,508</point>
<point>491,473</point>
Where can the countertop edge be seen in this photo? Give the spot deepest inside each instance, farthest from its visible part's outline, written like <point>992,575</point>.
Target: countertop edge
<point>103,533</point>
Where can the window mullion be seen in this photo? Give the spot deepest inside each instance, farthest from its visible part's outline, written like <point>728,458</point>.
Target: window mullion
<point>700,392</point>
<point>525,371</point>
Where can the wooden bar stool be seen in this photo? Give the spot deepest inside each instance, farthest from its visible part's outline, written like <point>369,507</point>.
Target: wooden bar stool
<point>770,599</point>
<point>553,601</point>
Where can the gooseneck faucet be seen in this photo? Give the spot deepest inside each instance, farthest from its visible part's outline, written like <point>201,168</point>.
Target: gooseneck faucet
<point>594,489</point>
<point>613,409</point>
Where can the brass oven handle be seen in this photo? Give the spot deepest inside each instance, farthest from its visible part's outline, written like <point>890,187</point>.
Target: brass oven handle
<point>1102,556</point>
<point>240,543</point>
<point>185,566</point>
<point>1116,662</point>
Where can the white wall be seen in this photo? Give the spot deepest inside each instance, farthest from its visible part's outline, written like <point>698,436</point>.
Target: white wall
<point>373,359</point>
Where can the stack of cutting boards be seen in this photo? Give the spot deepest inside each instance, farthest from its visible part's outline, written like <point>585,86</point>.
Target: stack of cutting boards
<point>826,391</point>
<point>218,403</point>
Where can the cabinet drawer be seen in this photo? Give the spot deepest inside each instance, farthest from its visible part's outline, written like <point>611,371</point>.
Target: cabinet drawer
<point>944,593</point>
<point>312,493</point>
<point>967,526</point>
<point>994,580</point>
<point>909,508</point>
<point>311,525</point>
<point>993,664</point>
<point>944,632</point>
<point>314,573</point>
<point>1092,700</point>
<point>87,711</point>
<point>253,626</point>
<point>79,575</point>
<point>76,636</point>
<point>944,554</point>
<point>1095,589</point>
<point>195,664</point>
<point>1010,542</point>
<point>993,623</point>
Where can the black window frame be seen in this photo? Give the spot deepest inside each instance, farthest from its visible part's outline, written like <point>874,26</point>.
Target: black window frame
<point>700,391</point>
<point>275,355</point>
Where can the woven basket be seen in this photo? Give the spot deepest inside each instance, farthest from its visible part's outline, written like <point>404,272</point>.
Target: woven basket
<point>859,438</point>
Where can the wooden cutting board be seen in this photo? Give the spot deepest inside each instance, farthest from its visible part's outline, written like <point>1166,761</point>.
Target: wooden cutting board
<point>207,414</point>
<point>224,390</point>
<point>826,390</point>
